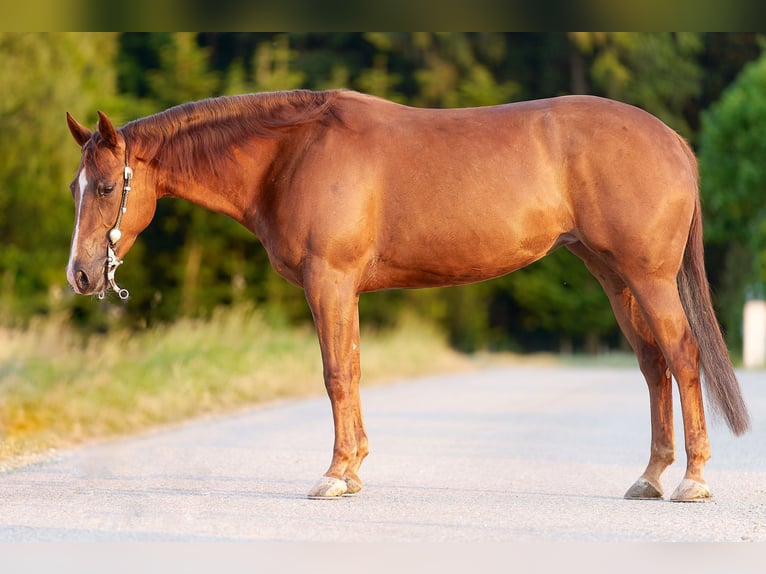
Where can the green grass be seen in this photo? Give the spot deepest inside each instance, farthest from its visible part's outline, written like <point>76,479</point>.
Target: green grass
<point>59,389</point>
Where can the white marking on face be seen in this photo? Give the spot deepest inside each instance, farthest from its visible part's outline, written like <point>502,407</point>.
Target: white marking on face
<point>79,196</point>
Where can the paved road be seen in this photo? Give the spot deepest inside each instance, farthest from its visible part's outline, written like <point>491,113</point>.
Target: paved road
<point>510,454</point>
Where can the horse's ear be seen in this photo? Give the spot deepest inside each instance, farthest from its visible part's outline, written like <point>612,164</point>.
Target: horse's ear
<point>106,129</point>
<point>80,133</point>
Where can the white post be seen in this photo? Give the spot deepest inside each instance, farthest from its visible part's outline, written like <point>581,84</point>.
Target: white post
<point>754,340</point>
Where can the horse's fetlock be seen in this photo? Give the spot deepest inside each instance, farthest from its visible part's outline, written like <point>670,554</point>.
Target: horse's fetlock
<point>666,455</point>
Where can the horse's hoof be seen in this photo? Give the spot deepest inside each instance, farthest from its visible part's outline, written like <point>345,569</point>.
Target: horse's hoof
<point>353,487</point>
<point>328,488</point>
<point>691,491</point>
<point>642,489</point>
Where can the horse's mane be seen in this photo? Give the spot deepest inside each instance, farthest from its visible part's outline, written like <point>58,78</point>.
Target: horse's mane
<point>202,134</point>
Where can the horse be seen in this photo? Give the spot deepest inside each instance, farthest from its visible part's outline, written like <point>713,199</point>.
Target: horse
<point>350,193</point>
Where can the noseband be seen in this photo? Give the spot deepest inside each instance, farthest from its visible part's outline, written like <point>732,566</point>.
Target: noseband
<point>112,261</point>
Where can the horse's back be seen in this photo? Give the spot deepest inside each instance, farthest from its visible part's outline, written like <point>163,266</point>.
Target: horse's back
<point>510,150</point>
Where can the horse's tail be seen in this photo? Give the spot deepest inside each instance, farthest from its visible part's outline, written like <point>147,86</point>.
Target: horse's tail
<point>720,380</point>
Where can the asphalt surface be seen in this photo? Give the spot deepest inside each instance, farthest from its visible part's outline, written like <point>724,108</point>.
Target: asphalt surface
<point>508,454</point>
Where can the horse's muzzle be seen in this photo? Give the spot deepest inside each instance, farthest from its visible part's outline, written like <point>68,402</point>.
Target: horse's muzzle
<point>85,281</point>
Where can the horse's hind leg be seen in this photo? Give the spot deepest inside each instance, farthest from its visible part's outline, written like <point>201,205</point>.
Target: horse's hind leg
<point>661,305</point>
<point>655,370</point>
<point>653,366</point>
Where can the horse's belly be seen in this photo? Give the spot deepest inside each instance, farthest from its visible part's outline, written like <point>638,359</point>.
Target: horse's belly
<point>445,261</point>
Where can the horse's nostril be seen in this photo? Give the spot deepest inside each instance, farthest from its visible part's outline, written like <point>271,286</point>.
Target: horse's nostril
<point>82,280</point>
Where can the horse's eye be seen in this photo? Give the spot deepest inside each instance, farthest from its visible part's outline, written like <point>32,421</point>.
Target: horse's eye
<point>105,190</point>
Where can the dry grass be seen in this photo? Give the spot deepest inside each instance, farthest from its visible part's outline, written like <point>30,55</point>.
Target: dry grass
<point>59,389</point>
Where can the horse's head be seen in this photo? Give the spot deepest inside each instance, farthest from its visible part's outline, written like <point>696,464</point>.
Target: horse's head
<point>108,213</point>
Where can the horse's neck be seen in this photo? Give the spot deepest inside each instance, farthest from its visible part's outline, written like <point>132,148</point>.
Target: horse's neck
<point>198,192</point>
<point>234,192</point>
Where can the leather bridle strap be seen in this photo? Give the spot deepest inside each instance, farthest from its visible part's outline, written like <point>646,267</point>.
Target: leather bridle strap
<point>114,235</point>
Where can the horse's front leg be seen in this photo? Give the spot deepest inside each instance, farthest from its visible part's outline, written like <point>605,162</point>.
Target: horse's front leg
<point>334,304</point>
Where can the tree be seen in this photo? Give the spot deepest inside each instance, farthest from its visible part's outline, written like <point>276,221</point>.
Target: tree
<point>184,72</point>
<point>658,72</point>
<point>272,69</point>
<point>733,177</point>
<point>43,75</point>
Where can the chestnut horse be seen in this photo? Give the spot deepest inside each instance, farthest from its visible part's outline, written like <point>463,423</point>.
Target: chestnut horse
<point>351,193</point>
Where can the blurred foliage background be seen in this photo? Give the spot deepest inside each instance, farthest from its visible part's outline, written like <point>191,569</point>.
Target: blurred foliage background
<point>711,87</point>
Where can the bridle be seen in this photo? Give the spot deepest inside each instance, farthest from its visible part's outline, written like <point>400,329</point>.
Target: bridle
<point>114,235</point>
